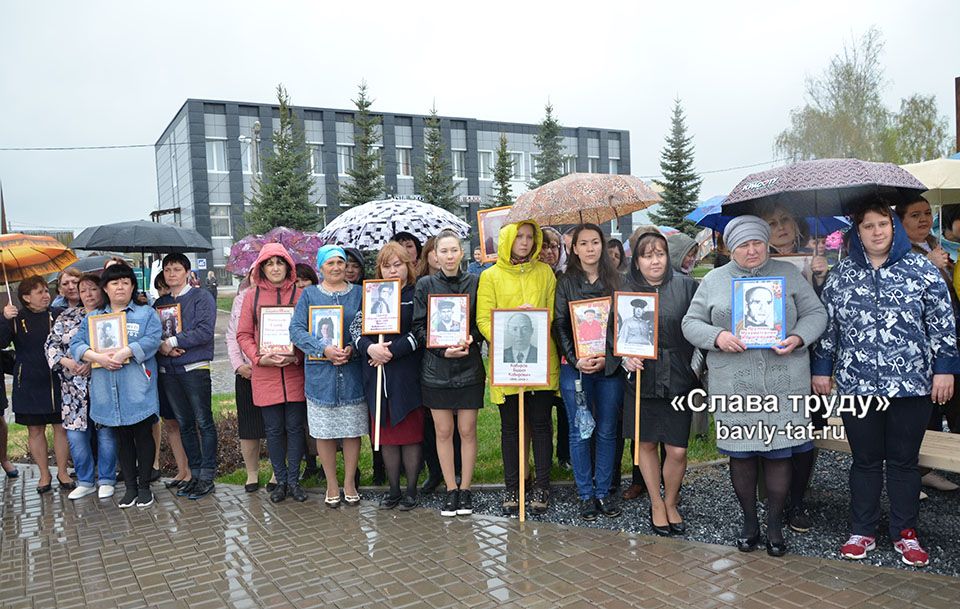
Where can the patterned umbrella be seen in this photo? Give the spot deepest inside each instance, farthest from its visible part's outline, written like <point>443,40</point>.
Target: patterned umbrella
<point>302,247</point>
<point>23,256</point>
<point>826,187</point>
<point>584,197</point>
<point>370,226</point>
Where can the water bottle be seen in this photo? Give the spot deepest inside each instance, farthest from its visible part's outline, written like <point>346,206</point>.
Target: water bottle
<point>585,422</point>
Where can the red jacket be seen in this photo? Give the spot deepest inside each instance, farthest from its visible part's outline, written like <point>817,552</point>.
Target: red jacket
<point>271,385</point>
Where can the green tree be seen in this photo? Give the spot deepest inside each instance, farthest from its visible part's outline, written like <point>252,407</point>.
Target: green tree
<point>549,140</point>
<point>367,173</point>
<point>281,196</point>
<point>681,184</point>
<point>917,133</point>
<point>435,180</point>
<point>502,173</point>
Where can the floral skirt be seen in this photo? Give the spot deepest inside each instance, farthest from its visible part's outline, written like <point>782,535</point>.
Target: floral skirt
<point>341,421</point>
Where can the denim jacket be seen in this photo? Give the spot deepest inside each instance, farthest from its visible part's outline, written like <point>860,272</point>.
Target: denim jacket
<point>128,395</point>
<point>325,384</point>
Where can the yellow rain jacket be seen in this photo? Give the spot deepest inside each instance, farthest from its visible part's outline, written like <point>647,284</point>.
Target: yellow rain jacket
<point>507,286</point>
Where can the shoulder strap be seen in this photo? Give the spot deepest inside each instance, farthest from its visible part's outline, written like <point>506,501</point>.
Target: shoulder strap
<point>256,301</point>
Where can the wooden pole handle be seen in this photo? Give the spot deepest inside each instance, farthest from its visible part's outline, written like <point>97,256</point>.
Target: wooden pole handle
<point>523,459</point>
<point>376,429</point>
<point>636,423</point>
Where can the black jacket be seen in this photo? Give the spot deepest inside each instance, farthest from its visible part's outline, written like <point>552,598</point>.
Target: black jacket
<point>569,289</point>
<point>670,374</point>
<point>436,370</point>
<point>36,390</point>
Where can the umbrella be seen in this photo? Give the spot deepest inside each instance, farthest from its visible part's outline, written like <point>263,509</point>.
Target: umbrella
<point>141,236</point>
<point>370,226</point>
<point>708,215</point>
<point>90,264</point>
<point>826,187</point>
<point>941,176</point>
<point>301,246</point>
<point>584,197</point>
<point>23,256</point>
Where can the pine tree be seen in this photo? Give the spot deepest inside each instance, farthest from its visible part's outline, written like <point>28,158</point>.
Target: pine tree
<point>680,182</point>
<point>435,180</point>
<point>549,140</point>
<point>367,172</point>
<point>502,173</point>
<point>281,196</point>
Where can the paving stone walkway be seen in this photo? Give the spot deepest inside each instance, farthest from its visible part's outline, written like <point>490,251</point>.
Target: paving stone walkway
<point>238,550</point>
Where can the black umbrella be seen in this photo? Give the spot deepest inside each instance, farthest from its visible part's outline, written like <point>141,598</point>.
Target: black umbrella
<point>90,264</point>
<point>825,187</point>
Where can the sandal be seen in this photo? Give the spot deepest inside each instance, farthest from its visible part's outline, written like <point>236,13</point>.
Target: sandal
<point>332,502</point>
<point>351,499</point>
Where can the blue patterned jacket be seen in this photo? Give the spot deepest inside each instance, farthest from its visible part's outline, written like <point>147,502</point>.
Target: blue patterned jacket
<point>889,330</point>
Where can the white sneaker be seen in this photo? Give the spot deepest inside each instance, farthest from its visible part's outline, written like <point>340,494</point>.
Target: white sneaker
<point>80,492</point>
<point>105,491</point>
<point>936,481</point>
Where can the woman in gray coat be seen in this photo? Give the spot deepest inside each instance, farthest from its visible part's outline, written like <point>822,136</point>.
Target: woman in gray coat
<point>774,434</point>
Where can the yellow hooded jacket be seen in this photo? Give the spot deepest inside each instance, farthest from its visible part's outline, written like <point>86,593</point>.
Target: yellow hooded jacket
<point>507,286</point>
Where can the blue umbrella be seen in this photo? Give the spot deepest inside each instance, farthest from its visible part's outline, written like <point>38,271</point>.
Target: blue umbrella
<point>708,215</point>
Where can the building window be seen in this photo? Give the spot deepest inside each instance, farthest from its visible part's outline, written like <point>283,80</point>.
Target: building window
<point>485,158</point>
<point>569,165</point>
<point>344,159</point>
<point>220,220</point>
<point>316,159</point>
<point>404,162</point>
<point>533,165</point>
<point>593,165</point>
<point>460,164</point>
<point>246,156</point>
<point>614,165</point>
<point>216,156</point>
<point>517,158</point>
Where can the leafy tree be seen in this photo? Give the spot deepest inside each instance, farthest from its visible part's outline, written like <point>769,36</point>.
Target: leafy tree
<point>435,181</point>
<point>502,173</point>
<point>367,173</point>
<point>917,133</point>
<point>549,140</point>
<point>281,196</point>
<point>680,182</point>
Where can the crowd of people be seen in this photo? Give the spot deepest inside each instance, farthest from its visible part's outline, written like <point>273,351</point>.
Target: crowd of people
<point>881,322</point>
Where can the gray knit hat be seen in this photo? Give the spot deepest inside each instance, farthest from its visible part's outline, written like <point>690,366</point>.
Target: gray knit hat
<point>745,228</point>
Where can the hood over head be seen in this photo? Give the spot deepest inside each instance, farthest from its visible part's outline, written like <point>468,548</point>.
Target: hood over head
<point>900,247</point>
<point>680,245</point>
<point>508,234</point>
<point>635,273</point>
<point>268,251</point>
<point>357,256</point>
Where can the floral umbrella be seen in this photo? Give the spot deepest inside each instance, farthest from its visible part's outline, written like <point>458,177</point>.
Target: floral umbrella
<point>302,247</point>
<point>584,197</point>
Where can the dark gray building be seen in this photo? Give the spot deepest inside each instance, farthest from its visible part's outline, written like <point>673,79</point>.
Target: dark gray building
<point>206,159</point>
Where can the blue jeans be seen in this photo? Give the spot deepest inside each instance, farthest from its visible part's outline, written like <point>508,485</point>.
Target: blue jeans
<point>284,424</point>
<point>82,454</point>
<point>189,396</point>
<point>605,399</point>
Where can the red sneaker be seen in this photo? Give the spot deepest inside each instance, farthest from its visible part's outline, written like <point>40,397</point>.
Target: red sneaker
<point>911,552</point>
<point>858,546</point>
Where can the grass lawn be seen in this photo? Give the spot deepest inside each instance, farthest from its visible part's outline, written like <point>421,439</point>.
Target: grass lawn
<point>225,303</point>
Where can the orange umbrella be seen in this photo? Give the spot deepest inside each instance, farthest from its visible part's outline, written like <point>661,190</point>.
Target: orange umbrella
<point>584,197</point>
<point>22,256</point>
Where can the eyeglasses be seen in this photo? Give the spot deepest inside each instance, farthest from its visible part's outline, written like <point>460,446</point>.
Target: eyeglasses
<point>551,246</point>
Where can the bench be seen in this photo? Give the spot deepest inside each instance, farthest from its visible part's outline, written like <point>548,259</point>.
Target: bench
<point>940,450</point>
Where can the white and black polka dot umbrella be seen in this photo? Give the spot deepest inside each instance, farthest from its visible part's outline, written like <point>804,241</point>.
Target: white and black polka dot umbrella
<point>370,226</point>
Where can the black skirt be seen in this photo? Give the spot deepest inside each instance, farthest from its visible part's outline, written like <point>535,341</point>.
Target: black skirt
<point>49,418</point>
<point>249,417</point>
<point>659,422</point>
<point>449,398</point>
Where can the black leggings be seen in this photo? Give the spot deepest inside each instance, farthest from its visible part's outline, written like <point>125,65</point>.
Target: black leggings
<point>536,406</point>
<point>776,476</point>
<point>136,452</point>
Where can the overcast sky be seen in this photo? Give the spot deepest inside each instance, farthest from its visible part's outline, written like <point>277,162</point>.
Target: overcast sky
<point>100,73</point>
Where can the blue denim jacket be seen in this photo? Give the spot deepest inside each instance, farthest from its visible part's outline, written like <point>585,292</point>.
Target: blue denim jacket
<point>324,383</point>
<point>128,395</point>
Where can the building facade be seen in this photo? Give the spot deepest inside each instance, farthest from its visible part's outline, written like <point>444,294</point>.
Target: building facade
<point>208,155</point>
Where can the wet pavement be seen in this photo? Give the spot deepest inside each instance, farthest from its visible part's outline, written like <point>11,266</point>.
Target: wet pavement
<point>235,549</point>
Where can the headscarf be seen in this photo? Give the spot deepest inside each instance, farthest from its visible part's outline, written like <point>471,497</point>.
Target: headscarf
<point>745,228</point>
<point>329,251</point>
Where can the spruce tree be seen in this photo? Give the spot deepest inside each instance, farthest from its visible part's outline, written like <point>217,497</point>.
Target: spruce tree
<point>435,180</point>
<point>367,172</point>
<point>549,140</point>
<point>502,173</point>
<point>680,182</point>
<point>281,196</point>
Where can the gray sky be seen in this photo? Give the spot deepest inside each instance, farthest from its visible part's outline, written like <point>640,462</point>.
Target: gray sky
<point>104,73</point>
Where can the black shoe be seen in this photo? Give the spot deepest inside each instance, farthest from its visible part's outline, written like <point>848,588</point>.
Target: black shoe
<point>539,501</point>
<point>451,503</point>
<point>253,487</point>
<point>608,507</point>
<point>279,493</point>
<point>296,491</point>
<point>129,498</point>
<point>431,484</point>
<point>154,474</point>
<point>678,528</point>
<point>388,502</point>
<point>408,503</point>
<point>202,489</point>
<point>465,505</point>
<point>187,487</point>
<point>588,510</point>
<point>174,484</point>
<point>661,531</point>
<point>46,488</point>
<point>748,543</point>
<point>144,498</point>
<point>800,520</point>
<point>65,487</point>
<point>511,503</point>
<point>271,486</point>
<point>776,548</point>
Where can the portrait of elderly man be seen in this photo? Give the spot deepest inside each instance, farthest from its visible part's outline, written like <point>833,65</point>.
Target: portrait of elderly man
<point>519,335</point>
<point>758,308</point>
<point>637,330</point>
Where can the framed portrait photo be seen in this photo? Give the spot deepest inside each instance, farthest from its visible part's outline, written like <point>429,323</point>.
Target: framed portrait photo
<point>170,320</point>
<point>758,311</point>
<point>448,320</point>
<point>520,350</point>
<point>108,333</point>
<point>381,306</point>
<point>325,323</point>
<point>589,319</point>
<point>275,330</point>
<point>635,325</point>
<point>490,221</point>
